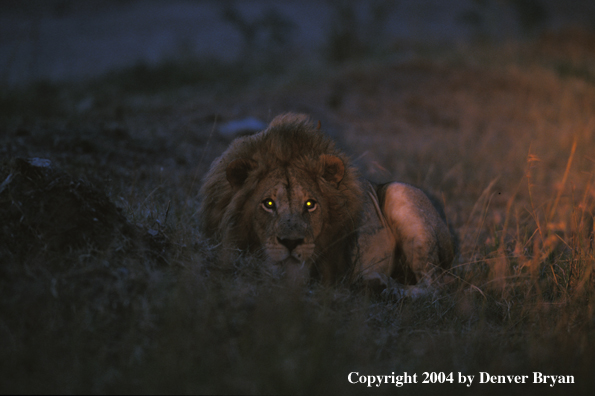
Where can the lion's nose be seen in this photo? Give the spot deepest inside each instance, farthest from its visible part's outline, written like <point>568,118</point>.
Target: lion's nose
<point>290,244</point>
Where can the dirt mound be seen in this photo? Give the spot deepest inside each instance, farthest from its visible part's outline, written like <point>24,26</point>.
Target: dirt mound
<point>46,209</point>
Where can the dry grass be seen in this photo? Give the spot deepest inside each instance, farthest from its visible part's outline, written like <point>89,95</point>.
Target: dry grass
<point>504,137</point>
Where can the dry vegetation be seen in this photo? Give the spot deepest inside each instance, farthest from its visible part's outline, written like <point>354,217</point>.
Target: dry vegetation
<point>106,285</point>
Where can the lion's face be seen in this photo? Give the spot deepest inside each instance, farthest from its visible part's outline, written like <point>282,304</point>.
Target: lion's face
<point>288,216</point>
<point>287,211</point>
<point>285,194</point>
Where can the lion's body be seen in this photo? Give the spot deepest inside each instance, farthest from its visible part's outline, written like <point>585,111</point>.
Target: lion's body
<point>288,195</point>
<point>402,237</point>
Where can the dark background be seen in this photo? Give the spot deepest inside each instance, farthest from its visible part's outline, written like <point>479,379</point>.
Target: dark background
<point>62,40</point>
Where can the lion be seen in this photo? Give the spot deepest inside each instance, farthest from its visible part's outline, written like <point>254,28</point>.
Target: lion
<point>290,197</point>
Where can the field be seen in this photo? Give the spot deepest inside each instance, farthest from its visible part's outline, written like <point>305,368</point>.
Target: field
<point>107,286</point>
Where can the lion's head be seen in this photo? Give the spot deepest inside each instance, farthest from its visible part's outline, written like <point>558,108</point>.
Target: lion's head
<point>286,194</point>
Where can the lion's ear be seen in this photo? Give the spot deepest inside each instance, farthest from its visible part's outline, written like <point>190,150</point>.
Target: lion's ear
<point>237,171</point>
<point>333,168</point>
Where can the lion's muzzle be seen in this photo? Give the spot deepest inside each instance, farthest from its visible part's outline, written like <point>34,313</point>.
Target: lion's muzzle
<point>289,248</point>
<point>293,256</point>
<point>290,244</point>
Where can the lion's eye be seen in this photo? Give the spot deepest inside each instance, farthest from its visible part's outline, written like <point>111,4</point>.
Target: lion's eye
<point>310,205</point>
<point>268,204</point>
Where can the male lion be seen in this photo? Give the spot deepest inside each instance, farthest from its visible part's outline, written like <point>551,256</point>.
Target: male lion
<point>289,196</point>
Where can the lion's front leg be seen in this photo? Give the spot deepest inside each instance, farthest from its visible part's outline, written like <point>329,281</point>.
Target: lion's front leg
<point>376,244</point>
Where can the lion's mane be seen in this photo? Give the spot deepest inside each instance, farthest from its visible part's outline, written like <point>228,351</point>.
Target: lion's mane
<point>289,141</point>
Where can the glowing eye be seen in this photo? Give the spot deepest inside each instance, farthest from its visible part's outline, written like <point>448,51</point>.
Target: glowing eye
<point>310,205</point>
<point>268,204</point>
